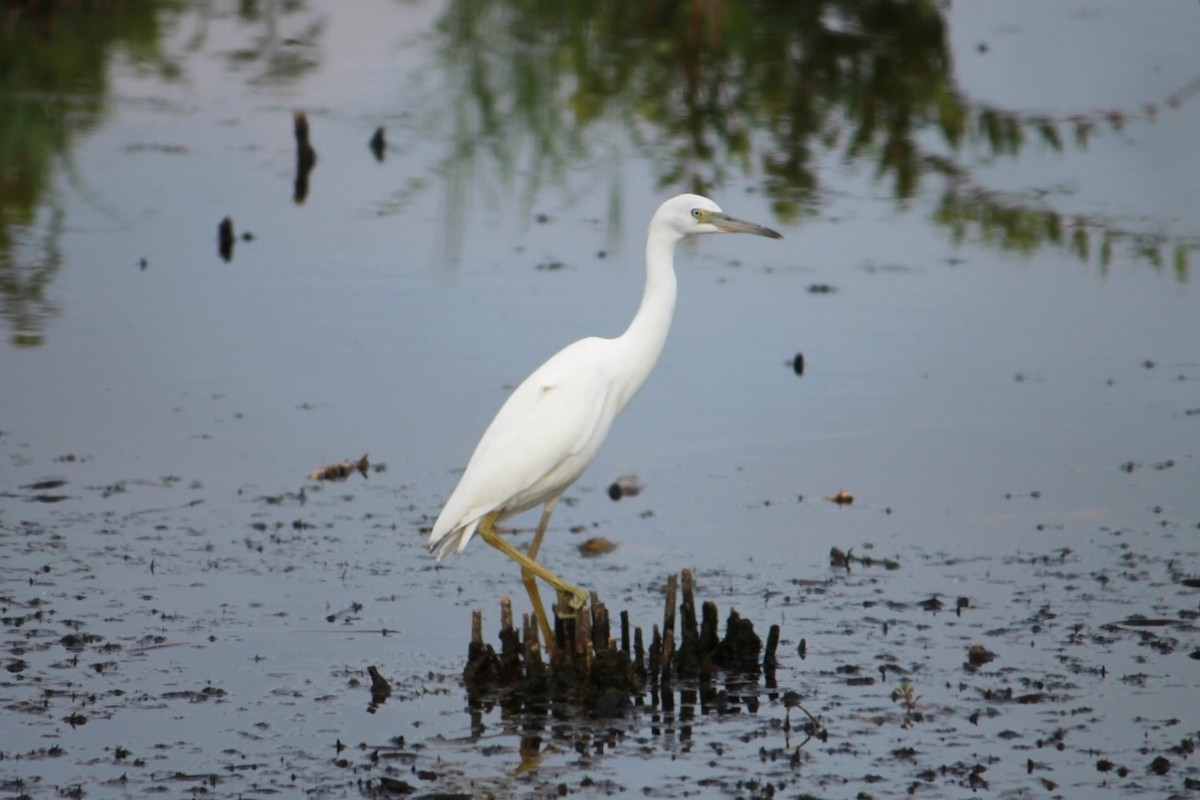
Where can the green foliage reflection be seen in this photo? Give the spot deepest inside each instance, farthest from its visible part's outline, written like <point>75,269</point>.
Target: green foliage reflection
<point>708,93</point>
<point>53,83</point>
<point>55,64</point>
<point>711,92</point>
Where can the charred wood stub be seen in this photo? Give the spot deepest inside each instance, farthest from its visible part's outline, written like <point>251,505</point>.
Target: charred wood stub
<point>770,660</point>
<point>378,145</point>
<point>602,674</point>
<point>225,239</point>
<point>740,648</point>
<point>306,157</point>
<point>483,666</point>
<point>381,690</point>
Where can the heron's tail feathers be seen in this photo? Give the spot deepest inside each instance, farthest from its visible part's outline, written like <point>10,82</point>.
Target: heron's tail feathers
<point>443,542</point>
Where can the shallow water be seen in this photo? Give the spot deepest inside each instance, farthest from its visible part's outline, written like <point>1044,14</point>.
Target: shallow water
<point>997,314</point>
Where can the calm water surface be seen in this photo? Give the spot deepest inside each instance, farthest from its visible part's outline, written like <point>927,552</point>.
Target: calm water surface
<point>989,267</point>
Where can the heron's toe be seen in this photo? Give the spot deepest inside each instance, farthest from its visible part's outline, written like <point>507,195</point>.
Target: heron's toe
<point>569,602</point>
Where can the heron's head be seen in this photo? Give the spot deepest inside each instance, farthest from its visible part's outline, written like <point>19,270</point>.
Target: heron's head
<point>691,214</point>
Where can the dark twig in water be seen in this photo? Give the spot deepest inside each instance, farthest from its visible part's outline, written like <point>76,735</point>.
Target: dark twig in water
<point>306,157</point>
<point>378,145</point>
<point>225,239</point>
<point>813,729</point>
<point>843,559</point>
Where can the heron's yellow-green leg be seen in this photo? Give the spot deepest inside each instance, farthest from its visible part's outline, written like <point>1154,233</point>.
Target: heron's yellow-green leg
<point>571,598</point>
<point>539,610</point>
<point>530,581</point>
<point>487,531</point>
<point>544,523</point>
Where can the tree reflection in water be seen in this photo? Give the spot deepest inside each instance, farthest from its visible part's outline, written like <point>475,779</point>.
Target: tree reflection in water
<point>703,93</point>
<point>708,92</point>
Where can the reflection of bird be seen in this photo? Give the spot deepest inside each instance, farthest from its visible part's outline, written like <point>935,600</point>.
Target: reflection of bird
<point>552,426</point>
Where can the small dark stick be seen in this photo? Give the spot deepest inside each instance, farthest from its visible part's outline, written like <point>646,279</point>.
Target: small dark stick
<point>306,157</point>
<point>381,690</point>
<point>688,633</point>
<point>534,666</point>
<point>225,239</point>
<point>379,684</point>
<point>564,640</point>
<point>583,638</point>
<point>710,639</point>
<point>600,625</point>
<point>510,642</point>
<point>476,635</point>
<point>669,630</point>
<point>656,647</point>
<point>506,613</point>
<point>769,660</point>
<point>378,145</point>
<point>639,653</point>
<point>482,663</point>
<point>625,632</point>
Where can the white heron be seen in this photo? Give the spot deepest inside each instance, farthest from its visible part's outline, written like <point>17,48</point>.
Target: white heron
<point>552,426</point>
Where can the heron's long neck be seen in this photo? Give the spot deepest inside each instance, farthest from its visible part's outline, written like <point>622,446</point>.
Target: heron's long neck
<point>647,333</point>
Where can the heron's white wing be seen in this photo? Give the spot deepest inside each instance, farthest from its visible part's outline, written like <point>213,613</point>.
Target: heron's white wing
<point>543,438</point>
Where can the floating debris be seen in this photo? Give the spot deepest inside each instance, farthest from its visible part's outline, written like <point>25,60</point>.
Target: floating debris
<point>933,603</point>
<point>1139,621</point>
<point>842,498</point>
<point>44,485</point>
<point>844,558</point>
<point>345,615</point>
<point>342,471</point>
<point>597,546</point>
<point>625,486</point>
<point>798,364</point>
<point>978,655</point>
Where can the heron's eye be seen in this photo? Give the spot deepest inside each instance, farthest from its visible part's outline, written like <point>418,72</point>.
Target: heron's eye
<point>696,213</point>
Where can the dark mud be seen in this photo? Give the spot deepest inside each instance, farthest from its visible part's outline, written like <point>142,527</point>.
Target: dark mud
<point>153,646</point>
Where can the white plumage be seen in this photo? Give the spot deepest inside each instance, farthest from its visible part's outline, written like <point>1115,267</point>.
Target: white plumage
<point>552,426</point>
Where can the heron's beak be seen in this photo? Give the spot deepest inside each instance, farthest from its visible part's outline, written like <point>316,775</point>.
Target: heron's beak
<point>727,224</point>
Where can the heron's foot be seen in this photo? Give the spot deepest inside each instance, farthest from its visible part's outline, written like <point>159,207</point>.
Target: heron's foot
<point>570,600</point>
